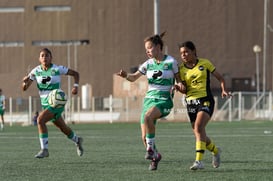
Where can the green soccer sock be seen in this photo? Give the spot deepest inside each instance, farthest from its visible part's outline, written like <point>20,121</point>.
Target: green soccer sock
<point>73,137</point>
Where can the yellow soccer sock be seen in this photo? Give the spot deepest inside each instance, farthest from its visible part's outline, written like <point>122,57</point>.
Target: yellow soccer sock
<point>200,150</point>
<point>212,147</point>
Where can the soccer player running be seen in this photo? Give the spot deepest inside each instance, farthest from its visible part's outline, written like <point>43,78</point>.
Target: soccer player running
<point>161,71</point>
<point>2,109</point>
<point>195,75</point>
<point>48,77</point>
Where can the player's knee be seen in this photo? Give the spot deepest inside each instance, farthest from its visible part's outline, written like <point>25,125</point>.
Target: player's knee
<point>148,118</point>
<point>41,120</point>
<point>198,129</point>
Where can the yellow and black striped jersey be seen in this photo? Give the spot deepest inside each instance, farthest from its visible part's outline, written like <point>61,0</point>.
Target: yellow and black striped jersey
<point>197,79</point>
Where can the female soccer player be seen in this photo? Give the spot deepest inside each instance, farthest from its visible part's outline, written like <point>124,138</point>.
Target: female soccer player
<point>195,74</point>
<point>2,109</point>
<point>161,72</point>
<point>48,77</point>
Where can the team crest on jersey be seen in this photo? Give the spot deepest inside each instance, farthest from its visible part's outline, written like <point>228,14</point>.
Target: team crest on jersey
<point>201,67</point>
<point>53,72</point>
<point>166,67</point>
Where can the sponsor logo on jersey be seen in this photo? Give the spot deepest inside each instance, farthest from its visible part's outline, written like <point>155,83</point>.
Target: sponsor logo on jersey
<point>46,79</point>
<point>157,73</point>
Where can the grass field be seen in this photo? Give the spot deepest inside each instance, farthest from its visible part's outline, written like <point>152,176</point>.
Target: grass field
<point>115,152</point>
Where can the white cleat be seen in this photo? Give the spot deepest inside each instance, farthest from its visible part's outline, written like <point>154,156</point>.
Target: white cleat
<point>216,160</point>
<point>79,146</point>
<point>42,153</point>
<point>197,165</point>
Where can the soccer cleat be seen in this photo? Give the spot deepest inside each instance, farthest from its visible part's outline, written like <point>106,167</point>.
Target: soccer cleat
<point>197,165</point>
<point>154,162</point>
<point>42,153</point>
<point>79,146</point>
<point>216,160</point>
<point>149,154</point>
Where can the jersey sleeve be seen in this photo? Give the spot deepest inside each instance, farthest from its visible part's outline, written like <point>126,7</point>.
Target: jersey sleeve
<point>31,75</point>
<point>63,70</point>
<point>175,66</point>
<point>143,68</point>
<point>210,66</point>
<point>181,73</point>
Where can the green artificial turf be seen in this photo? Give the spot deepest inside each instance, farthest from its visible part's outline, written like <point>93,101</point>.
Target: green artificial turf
<point>115,152</point>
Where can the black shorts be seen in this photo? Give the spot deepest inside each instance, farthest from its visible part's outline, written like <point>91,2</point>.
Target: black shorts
<point>205,104</point>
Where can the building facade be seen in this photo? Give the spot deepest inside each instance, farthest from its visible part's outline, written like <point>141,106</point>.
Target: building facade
<point>98,38</point>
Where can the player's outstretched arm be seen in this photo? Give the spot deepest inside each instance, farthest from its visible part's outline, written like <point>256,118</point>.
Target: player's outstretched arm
<point>220,78</point>
<point>76,76</point>
<point>179,86</point>
<point>130,77</point>
<point>26,83</point>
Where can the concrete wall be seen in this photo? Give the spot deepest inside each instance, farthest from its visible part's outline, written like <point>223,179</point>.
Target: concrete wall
<point>223,31</point>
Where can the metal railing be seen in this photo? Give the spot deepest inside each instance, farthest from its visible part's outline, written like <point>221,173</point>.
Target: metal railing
<point>242,106</point>
<point>246,106</point>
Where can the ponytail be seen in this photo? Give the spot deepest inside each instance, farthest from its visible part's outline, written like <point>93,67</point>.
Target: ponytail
<point>156,39</point>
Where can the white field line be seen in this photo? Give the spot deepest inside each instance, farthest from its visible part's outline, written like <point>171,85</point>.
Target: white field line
<point>14,136</point>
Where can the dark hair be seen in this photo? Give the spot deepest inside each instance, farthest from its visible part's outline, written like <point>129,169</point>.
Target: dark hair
<point>188,44</point>
<point>156,39</point>
<point>47,51</point>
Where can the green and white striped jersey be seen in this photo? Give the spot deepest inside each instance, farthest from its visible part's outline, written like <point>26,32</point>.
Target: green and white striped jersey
<point>47,80</point>
<point>2,99</point>
<point>160,76</point>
